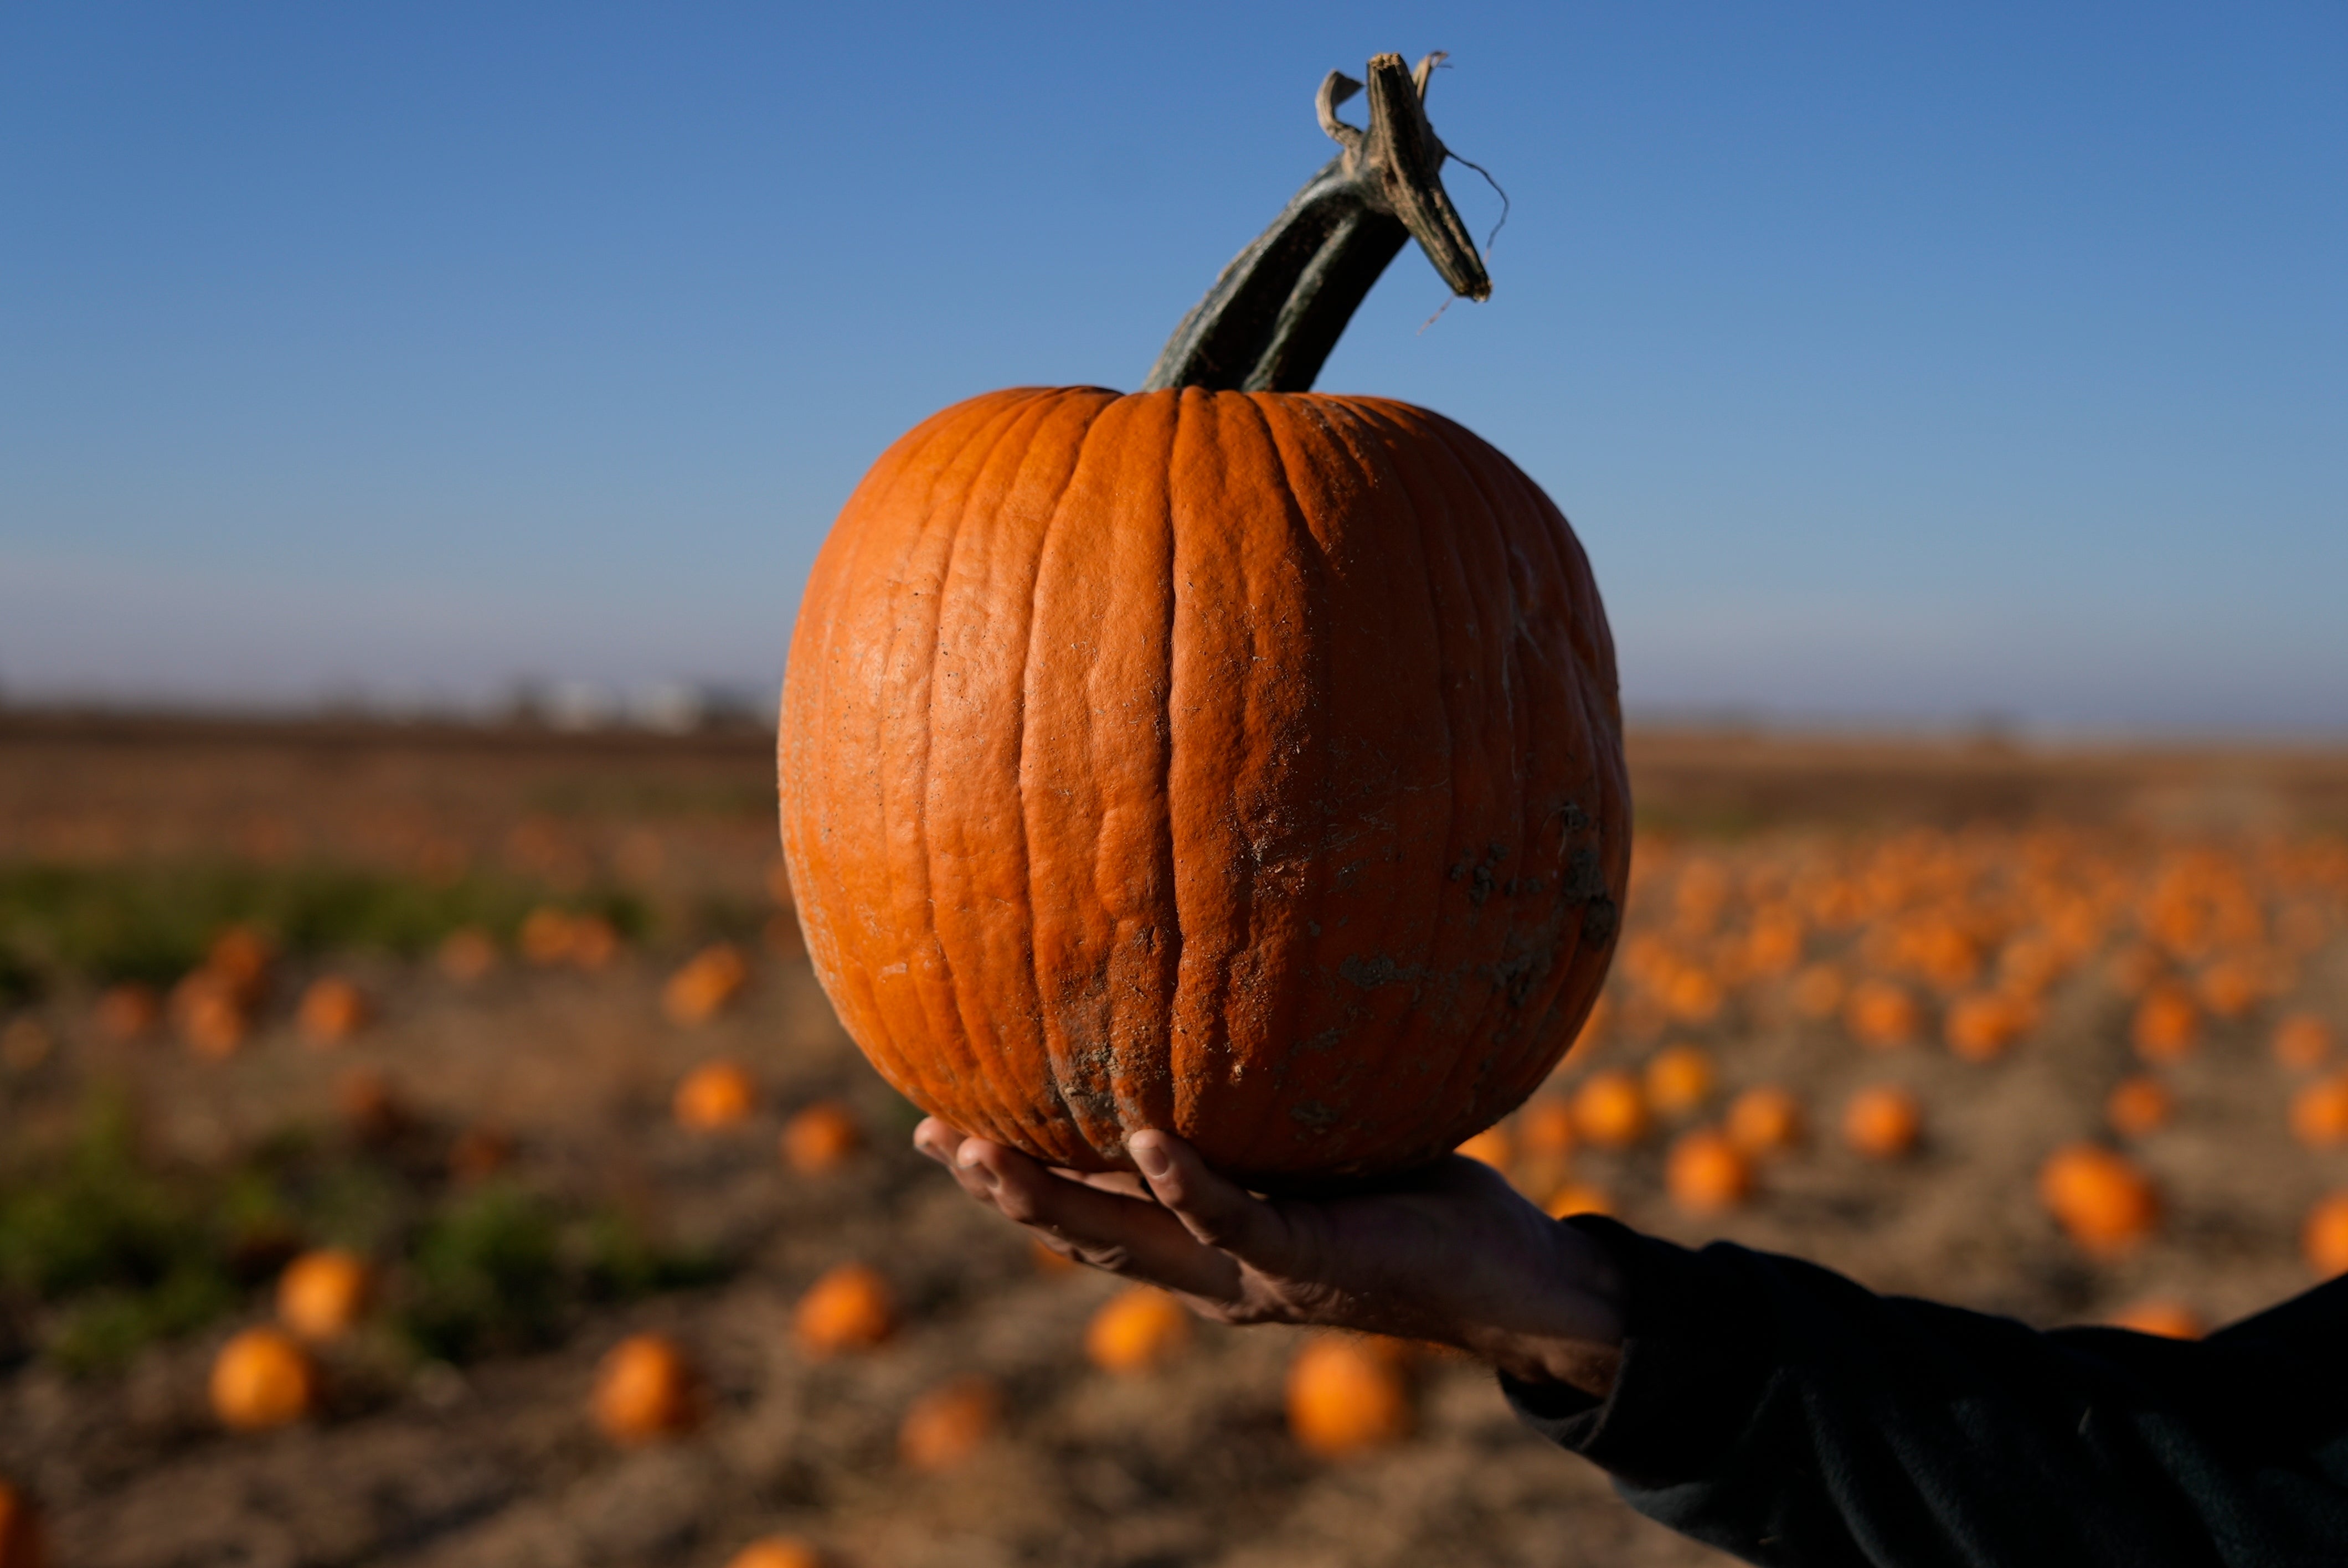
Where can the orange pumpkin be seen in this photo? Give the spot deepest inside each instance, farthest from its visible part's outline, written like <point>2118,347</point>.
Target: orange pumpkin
<point>322,1295</point>
<point>262,1379</point>
<point>127,1011</point>
<point>949,1423</point>
<point>849,1308</point>
<point>1347,1395</point>
<point>820,1138</point>
<point>466,954</point>
<point>332,1011</point>
<point>1578,1198</point>
<point>646,1390</point>
<point>1610,1110</point>
<point>2303,1041</point>
<point>716,1095</point>
<point>22,1545</point>
<point>1706,1174</point>
<point>2319,1112</point>
<point>1135,1331</point>
<point>1222,757</point>
<point>706,984</point>
<point>1766,1119</point>
<point>1679,1080</point>
<point>2100,1199</point>
<point>2323,1239</point>
<point>1493,1146</point>
<point>2157,1315</point>
<point>2137,1106</point>
<point>1882,1122</point>
<point>777,1552</point>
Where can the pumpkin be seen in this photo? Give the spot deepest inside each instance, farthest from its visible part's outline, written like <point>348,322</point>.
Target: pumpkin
<point>1493,1146</point>
<point>777,1552</point>
<point>322,1295</point>
<point>1882,1122</point>
<point>331,1012</point>
<point>2158,1314</point>
<point>262,1379</point>
<point>466,954</point>
<point>21,1537</point>
<point>1679,1080</point>
<point>2323,1239</point>
<point>2138,1106</point>
<point>1578,1198</point>
<point>1980,1026</point>
<point>2302,1042</point>
<point>1347,1395</point>
<point>2166,1024</point>
<point>819,1137</point>
<point>716,1095</point>
<point>1766,1119</point>
<point>2100,1199</point>
<point>1610,1110</point>
<point>1881,1014</point>
<point>949,1423</point>
<point>2319,1112</point>
<point>849,1308</point>
<point>1135,1331</point>
<point>646,1390</point>
<point>1222,757</point>
<point>1706,1174</point>
<point>706,984</point>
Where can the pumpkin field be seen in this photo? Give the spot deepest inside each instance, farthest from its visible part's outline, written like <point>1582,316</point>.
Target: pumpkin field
<point>428,1144</point>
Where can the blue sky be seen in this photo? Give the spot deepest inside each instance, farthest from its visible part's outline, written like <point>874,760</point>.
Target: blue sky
<point>1897,363</point>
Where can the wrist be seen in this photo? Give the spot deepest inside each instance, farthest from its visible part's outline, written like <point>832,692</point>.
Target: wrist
<point>1570,1331</point>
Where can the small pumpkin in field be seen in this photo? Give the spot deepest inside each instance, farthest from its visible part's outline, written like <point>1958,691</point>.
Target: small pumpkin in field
<point>2303,1041</point>
<point>1610,1110</point>
<point>23,1543</point>
<point>821,1137</point>
<point>2166,1025</point>
<point>1137,1330</point>
<point>2101,1199</point>
<point>646,1389</point>
<point>1148,760</point>
<point>777,1552</point>
<point>949,1423</point>
<point>1578,1198</point>
<point>716,1095</point>
<point>1980,1026</point>
<point>1765,1120</point>
<point>331,1012</point>
<point>1546,1128</point>
<point>1881,1014</point>
<point>129,1011</point>
<point>2138,1106</point>
<point>322,1294</point>
<point>2160,1316</point>
<point>466,954</point>
<point>1347,1395</point>
<point>2319,1112</point>
<point>1679,1080</point>
<point>849,1308</point>
<point>1882,1122</point>
<point>1706,1174</point>
<point>706,984</point>
<point>2323,1238</point>
<point>1493,1146</point>
<point>263,1379</point>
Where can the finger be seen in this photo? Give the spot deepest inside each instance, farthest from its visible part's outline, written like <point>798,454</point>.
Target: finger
<point>938,1140</point>
<point>1218,1213</point>
<point>1124,1236</point>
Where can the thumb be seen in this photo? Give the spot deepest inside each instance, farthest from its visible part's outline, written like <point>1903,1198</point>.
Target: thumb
<point>1220,1212</point>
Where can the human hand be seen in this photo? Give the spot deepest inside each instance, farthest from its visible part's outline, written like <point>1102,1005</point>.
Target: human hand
<point>1452,1253</point>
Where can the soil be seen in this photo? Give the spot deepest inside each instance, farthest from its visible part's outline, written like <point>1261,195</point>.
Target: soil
<point>416,1462</point>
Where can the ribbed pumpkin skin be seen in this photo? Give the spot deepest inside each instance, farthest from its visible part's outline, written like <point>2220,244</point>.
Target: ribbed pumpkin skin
<point>1244,765</point>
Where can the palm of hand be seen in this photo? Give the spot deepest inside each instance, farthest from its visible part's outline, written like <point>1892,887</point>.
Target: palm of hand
<point>1451,1255</point>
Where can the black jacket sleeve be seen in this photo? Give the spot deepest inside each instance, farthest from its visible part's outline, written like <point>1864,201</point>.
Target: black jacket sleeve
<point>1778,1411</point>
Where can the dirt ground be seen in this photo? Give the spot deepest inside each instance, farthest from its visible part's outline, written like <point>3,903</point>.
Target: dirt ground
<point>493,1459</point>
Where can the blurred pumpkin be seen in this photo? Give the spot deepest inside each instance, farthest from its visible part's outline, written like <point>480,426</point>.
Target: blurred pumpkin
<point>949,1423</point>
<point>1610,1110</point>
<point>1679,1080</point>
<point>129,1011</point>
<point>466,954</point>
<point>2138,1106</point>
<point>1881,1014</point>
<point>1347,1395</point>
<point>1578,1198</point>
<point>262,1379</point>
<point>331,1012</point>
<point>820,1138</point>
<point>1706,1174</point>
<point>2302,1042</point>
<point>777,1552</point>
<point>2319,1112</point>
<point>706,984</point>
<point>1135,1331</point>
<point>1980,1026</point>
<point>848,1308</point>
<point>716,1095</point>
<point>2323,1239</point>
<point>2166,1025</point>
<point>2103,1201</point>
<point>1492,1147</point>
<point>646,1390</point>
<point>322,1294</point>
<point>1882,1122</point>
<point>2160,1316</point>
<point>1765,1120</point>
<point>1545,1127</point>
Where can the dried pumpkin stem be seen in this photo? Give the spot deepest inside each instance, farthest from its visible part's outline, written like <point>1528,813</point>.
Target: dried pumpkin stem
<point>1268,322</point>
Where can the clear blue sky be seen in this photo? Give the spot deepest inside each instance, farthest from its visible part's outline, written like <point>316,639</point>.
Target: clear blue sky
<point>1895,361</point>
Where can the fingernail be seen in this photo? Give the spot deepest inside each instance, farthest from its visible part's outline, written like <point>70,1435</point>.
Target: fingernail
<point>1152,1160</point>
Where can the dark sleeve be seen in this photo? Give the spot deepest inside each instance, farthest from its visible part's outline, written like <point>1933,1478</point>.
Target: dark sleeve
<point>1779,1411</point>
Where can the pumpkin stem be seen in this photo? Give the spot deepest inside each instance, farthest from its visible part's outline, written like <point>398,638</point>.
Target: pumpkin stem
<point>1278,308</point>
